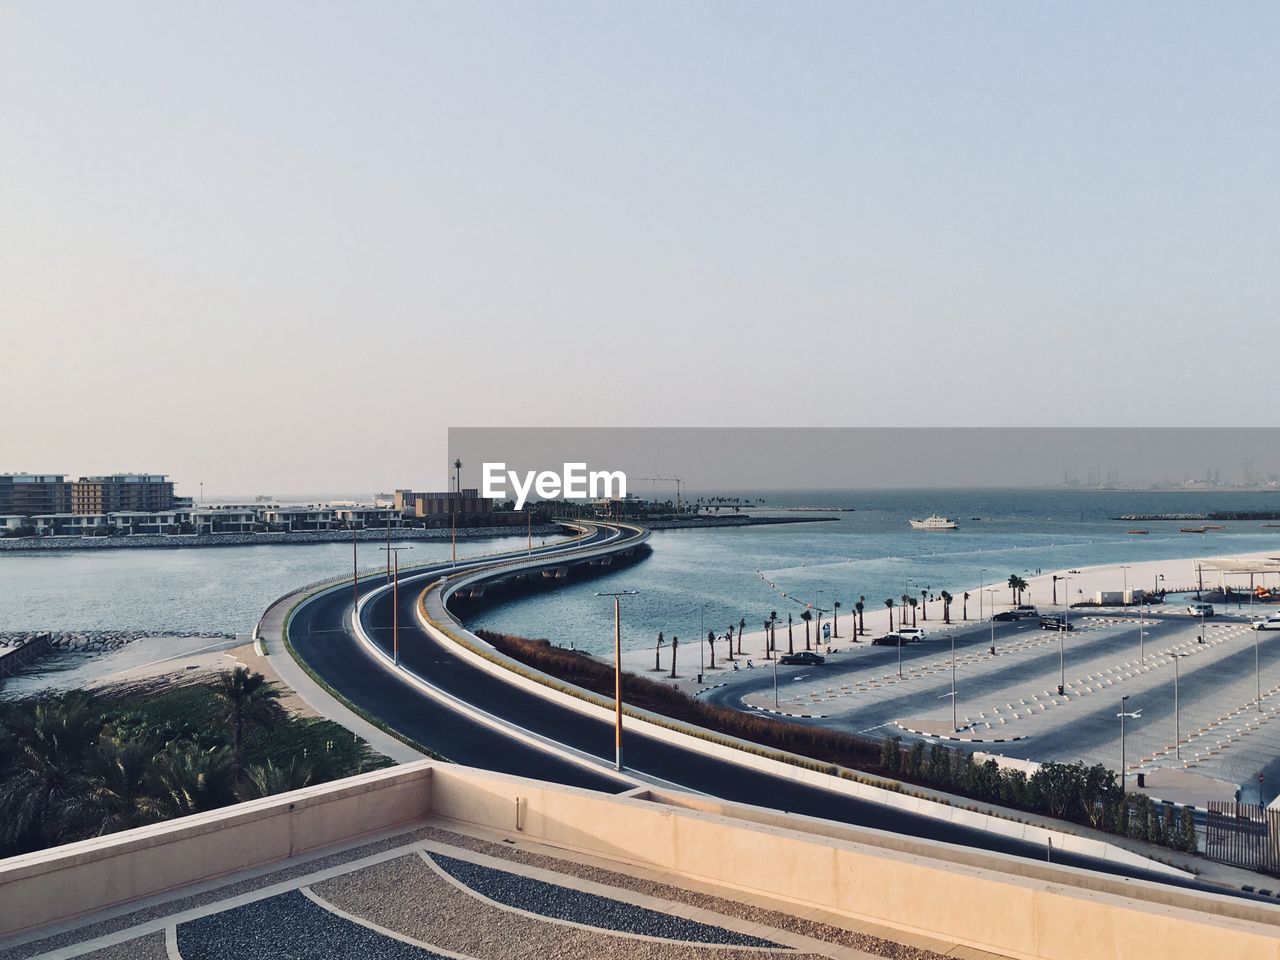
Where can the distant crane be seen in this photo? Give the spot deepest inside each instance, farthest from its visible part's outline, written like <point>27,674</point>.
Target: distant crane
<point>679,482</point>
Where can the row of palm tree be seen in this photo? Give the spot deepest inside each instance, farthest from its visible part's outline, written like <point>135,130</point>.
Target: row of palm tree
<point>903,604</point>
<point>69,771</point>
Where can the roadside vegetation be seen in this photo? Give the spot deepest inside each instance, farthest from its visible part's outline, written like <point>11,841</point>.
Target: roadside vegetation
<point>1090,796</point>
<point>78,765</point>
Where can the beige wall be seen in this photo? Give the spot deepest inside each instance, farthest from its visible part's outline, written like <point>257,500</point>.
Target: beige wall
<point>52,885</point>
<point>984,900</point>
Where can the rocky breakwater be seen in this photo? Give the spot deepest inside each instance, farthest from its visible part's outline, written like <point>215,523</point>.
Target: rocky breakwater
<point>97,641</point>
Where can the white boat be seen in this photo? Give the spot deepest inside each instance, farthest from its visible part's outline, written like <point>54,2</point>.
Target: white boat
<point>934,523</point>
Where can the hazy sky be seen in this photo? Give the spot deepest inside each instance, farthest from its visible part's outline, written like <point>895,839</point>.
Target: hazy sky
<point>283,246</point>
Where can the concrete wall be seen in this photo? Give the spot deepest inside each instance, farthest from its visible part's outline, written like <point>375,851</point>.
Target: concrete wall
<point>987,901</point>
<point>53,885</point>
<point>1058,917</point>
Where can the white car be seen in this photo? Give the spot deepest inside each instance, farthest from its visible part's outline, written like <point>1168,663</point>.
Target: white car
<point>1271,623</point>
<point>911,634</point>
<point>1200,609</point>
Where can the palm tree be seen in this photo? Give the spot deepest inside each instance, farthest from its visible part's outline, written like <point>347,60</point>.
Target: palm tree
<point>791,640</point>
<point>772,643</point>
<point>657,653</point>
<point>675,642</point>
<point>946,606</point>
<point>248,702</point>
<point>711,642</point>
<point>965,607</point>
<point>889,603</point>
<point>924,604</point>
<point>120,792</point>
<point>190,780</point>
<point>47,747</point>
<point>729,636</point>
<point>265,780</point>
<point>767,655</point>
<point>859,608</point>
<point>835,618</point>
<point>806,616</point>
<point>1013,581</point>
<point>742,627</point>
<point>912,602</point>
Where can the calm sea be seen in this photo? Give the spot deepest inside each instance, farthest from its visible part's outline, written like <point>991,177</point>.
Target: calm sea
<point>694,580</point>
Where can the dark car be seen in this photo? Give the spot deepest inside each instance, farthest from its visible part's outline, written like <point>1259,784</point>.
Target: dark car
<point>1056,623</point>
<point>1004,615</point>
<point>889,640</point>
<point>803,658</point>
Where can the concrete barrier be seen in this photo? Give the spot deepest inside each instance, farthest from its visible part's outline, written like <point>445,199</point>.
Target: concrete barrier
<point>983,900</point>
<point>57,884</point>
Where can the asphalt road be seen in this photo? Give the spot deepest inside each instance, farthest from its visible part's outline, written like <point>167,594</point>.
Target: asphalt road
<point>318,634</point>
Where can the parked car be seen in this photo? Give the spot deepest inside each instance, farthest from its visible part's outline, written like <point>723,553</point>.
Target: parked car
<point>911,634</point>
<point>1026,610</point>
<point>1056,623</point>
<point>1271,623</point>
<point>805,658</point>
<point>1200,609</point>
<point>1004,615</point>
<point>888,640</point>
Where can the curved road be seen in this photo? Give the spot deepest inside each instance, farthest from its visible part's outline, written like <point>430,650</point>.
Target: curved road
<point>319,632</point>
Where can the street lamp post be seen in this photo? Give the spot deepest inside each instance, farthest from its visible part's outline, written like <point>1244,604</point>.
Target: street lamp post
<point>1062,637</point>
<point>954,726</point>
<point>775,683</point>
<point>394,553</point>
<point>1142,634</point>
<point>617,671</point>
<point>1136,714</point>
<point>982,585</point>
<point>993,620</point>
<point>1177,713</point>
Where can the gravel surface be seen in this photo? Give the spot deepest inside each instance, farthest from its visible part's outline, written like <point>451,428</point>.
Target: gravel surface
<point>409,897</point>
<point>589,909</point>
<point>733,908</point>
<point>287,927</point>
<point>150,947</point>
<point>171,907</point>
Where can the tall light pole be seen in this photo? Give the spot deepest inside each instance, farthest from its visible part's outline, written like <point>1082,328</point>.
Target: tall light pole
<point>1142,634</point>
<point>1177,713</point>
<point>394,553</point>
<point>355,566</point>
<point>993,620</point>
<point>982,585</point>
<point>1136,714</point>
<point>955,728</point>
<point>617,671</point>
<point>702,641</point>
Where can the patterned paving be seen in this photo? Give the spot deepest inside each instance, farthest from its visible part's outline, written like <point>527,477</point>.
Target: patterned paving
<point>433,893</point>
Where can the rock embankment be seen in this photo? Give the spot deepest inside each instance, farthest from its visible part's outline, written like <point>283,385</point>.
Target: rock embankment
<point>93,641</point>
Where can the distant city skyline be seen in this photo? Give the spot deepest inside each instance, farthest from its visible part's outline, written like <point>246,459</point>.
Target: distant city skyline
<point>286,246</point>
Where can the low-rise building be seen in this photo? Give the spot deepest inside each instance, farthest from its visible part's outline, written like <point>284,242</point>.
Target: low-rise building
<point>11,523</point>
<point>365,517</point>
<point>226,519</point>
<point>466,503</point>
<point>140,523</point>
<point>70,524</point>
<point>299,518</point>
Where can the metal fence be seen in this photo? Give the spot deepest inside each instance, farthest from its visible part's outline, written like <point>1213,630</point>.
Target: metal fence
<point>1243,834</point>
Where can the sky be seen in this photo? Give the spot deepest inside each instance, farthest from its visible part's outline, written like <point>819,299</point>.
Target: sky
<point>281,247</point>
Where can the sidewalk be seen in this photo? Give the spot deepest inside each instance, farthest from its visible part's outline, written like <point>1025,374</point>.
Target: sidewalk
<point>315,696</point>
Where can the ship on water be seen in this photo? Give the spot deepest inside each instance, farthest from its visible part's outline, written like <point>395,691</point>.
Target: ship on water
<point>934,523</point>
